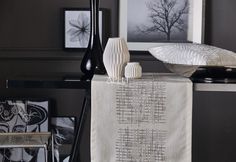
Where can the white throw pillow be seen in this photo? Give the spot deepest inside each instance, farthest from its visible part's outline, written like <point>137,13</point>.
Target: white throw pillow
<point>185,58</point>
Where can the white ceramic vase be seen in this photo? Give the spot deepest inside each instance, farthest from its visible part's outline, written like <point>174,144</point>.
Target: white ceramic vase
<point>133,70</point>
<point>115,57</point>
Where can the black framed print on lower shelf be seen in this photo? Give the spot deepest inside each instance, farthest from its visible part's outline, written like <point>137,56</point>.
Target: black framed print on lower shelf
<point>77,27</point>
<point>23,115</point>
<point>64,133</point>
<point>150,23</point>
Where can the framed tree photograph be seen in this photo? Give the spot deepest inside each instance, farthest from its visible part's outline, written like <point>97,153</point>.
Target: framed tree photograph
<point>20,116</point>
<point>77,27</point>
<point>150,23</point>
<point>64,133</point>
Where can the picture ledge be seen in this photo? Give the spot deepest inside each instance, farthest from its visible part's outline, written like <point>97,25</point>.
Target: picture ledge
<point>58,54</point>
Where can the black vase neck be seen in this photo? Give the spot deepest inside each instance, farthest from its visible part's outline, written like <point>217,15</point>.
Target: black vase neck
<point>94,25</point>
<point>94,15</point>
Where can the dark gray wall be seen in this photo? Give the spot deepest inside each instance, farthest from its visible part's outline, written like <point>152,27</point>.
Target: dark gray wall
<point>32,24</point>
<point>31,43</point>
<point>221,23</point>
<point>214,113</point>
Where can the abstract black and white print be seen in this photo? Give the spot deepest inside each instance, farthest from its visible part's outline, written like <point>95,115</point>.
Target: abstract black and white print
<point>63,131</point>
<point>23,116</point>
<point>158,20</point>
<point>77,28</point>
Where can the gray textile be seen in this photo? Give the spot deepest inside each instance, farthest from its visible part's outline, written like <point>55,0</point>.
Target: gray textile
<point>142,120</point>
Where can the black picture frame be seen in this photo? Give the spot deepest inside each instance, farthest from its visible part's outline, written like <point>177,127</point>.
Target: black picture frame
<point>63,129</point>
<point>24,115</point>
<point>74,14</point>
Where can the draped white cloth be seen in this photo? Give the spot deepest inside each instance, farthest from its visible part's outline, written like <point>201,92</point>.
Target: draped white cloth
<point>141,120</point>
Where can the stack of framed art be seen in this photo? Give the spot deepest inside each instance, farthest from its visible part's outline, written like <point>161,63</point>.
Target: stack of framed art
<point>23,115</point>
<point>20,115</point>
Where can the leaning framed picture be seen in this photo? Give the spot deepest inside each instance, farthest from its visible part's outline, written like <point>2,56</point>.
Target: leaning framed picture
<point>150,23</point>
<point>77,27</point>
<point>23,115</point>
<point>63,128</point>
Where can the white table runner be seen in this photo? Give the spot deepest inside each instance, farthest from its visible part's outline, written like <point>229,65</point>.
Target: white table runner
<point>144,120</point>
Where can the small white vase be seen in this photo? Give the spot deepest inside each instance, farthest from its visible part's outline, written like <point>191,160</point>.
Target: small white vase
<point>133,70</point>
<point>115,57</point>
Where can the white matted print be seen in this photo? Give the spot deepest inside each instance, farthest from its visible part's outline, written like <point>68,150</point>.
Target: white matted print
<point>150,23</point>
<point>77,28</point>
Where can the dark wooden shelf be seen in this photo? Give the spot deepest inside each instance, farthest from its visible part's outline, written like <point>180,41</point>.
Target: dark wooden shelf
<point>55,81</point>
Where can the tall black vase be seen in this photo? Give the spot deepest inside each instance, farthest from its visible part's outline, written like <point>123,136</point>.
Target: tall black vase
<point>92,62</point>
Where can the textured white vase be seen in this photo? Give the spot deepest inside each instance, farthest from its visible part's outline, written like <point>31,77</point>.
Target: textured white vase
<point>115,57</point>
<point>133,70</point>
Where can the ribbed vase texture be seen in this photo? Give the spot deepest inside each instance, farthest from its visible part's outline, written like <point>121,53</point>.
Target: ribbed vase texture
<point>116,56</point>
<point>133,70</point>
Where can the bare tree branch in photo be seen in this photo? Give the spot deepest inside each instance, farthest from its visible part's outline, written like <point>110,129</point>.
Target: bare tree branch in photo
<point>165,16</point>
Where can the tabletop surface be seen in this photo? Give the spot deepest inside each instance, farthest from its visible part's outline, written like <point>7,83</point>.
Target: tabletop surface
<point>78,81</point>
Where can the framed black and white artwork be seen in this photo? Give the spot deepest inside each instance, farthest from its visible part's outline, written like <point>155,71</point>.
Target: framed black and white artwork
<point>77,27</point>
<point>23,115</point>
<point>150,23</point>
<point>64,134</point>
